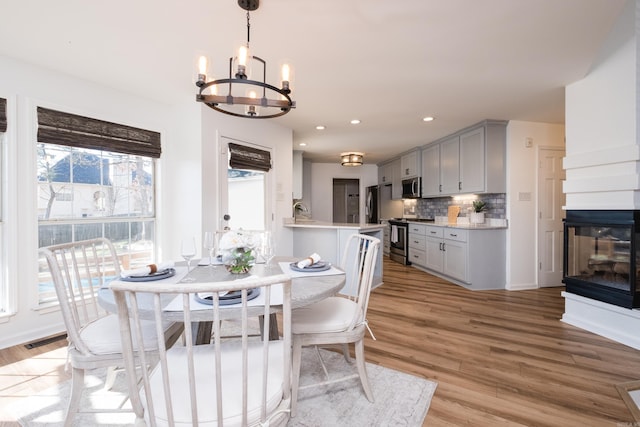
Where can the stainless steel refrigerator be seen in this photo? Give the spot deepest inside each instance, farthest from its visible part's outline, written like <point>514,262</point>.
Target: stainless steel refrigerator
<point>372,205</point>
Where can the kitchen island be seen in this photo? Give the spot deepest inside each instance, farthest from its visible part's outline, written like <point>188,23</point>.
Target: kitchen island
<point>328,239</point>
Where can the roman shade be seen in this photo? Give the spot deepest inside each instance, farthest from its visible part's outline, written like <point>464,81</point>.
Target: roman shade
<point>3,115</point>
<point>56,127</point>
<point>248,158</point>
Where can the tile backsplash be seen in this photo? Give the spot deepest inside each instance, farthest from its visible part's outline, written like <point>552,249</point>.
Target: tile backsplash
<point>430,208</point>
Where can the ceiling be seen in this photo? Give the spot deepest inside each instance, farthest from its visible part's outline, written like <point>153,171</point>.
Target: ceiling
<point>387,63</point>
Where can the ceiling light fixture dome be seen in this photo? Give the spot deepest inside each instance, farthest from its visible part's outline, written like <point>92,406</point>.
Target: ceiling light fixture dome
<point>249,104</point>
<point>352,159</point>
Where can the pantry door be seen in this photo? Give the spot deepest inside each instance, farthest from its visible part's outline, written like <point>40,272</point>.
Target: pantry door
<point>551,200</point>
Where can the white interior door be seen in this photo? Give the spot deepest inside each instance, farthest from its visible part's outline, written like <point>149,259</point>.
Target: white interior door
<point>550,215</point>
<point>244,202</point>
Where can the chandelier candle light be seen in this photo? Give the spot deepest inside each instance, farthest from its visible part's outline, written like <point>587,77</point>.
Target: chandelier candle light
<point>247,104</point>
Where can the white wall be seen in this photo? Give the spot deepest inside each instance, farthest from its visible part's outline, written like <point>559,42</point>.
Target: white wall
<point>322,175</point>
<point>522,215</point>
<point>25,88</point>
<point>601,121</point>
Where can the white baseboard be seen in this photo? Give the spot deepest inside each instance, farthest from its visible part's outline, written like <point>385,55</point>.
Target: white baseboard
<point>31,335</point>
<point>610,321</point>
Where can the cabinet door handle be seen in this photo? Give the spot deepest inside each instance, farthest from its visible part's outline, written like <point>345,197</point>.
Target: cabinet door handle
<point>443,248</point>
<point>406,171</point>
<point>453,235</point>
<point>459,185</point>
<point>432,232</point>
<point>440,188</point>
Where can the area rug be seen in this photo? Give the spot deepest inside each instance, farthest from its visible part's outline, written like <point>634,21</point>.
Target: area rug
<point>400,399</point>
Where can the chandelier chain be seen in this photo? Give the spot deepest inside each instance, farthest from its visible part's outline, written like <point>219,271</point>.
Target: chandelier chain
<point>248,29</point>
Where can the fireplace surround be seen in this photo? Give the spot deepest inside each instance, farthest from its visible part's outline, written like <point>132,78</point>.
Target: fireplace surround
<point>601,255</point>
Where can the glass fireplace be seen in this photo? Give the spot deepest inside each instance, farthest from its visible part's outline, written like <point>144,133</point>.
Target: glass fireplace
<point>600,256</point>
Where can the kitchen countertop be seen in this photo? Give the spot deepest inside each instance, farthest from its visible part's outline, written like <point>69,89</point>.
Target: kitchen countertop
<point>334,225</point>
<point>463,223</point>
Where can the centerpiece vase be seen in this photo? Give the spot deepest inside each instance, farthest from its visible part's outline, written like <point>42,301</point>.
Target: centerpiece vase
<point>239,260</point>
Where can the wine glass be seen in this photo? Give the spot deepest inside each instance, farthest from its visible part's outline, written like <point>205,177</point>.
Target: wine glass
<point>188,251</point>
<point>267,248</point>
<point>209,244</point>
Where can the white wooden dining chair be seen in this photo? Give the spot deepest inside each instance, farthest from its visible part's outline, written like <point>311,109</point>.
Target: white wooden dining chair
<point>339,320</point>
<point>78,270</point>
<point>241,381</point>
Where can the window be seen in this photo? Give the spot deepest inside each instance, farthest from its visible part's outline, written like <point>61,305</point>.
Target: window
<point>91,184</point>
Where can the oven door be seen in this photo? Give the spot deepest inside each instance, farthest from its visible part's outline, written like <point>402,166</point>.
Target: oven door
<point>398,244</point>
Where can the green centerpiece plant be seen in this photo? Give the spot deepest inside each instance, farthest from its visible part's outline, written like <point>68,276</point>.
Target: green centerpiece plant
<point>237,251</point>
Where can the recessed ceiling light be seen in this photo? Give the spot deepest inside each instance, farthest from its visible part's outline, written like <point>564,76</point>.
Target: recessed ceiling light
<point>355,122</point>
<point>303,144</point>
<point>320,127</point>
<point>428,119</point>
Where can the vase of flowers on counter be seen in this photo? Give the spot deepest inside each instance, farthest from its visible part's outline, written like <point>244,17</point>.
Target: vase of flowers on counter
<point>237,251</point>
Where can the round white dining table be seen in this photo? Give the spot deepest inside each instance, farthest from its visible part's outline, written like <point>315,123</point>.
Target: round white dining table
<point>305,290</point>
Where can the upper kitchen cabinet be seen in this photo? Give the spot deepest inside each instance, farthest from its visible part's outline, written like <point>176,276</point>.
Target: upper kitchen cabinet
<point>473,162</point>
<point>431,171</point>
<point>410,165</point>
<point>384,174</point>
<point>450,166</point>
<point>389,174</point>
<point>470,161</point>
<point>297,174</point>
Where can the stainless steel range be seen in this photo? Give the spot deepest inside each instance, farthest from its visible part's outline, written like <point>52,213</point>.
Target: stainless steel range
<point>399,241</point>
<point>399,250</point>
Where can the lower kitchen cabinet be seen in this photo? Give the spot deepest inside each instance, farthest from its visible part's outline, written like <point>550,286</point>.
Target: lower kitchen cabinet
<point>473,258</point>
<point>386,241</point>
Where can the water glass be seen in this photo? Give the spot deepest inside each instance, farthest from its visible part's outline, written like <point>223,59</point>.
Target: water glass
<point>188,251</point>
<point>209,243</point>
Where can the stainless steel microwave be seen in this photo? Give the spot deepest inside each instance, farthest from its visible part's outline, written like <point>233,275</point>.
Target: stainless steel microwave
<point>412,188</point>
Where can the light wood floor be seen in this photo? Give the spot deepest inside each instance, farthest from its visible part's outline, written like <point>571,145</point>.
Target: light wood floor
<point>499,357</point>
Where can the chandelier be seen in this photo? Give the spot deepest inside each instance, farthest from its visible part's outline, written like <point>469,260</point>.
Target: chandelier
<point>351,159</point>
<point>245,97</point>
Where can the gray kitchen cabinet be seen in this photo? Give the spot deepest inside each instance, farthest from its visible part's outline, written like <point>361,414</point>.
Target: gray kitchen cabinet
<point>384,173</point>
<point>433,249</point>
<point>410,164</point>
<point>470,257</point>
<point>396,180</point>
<point>462,160</point>
<point>386,241</point>
<point>455,253</point>
<point>431,171</point>
<point>446,251</point>
<point>450,166</point>
<point>417,244</point>
<point>389,174</point>
<point>472,160</point>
